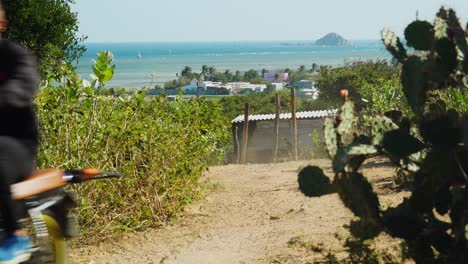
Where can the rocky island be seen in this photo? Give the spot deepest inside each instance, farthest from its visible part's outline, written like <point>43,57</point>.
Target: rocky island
<point>332,39</point>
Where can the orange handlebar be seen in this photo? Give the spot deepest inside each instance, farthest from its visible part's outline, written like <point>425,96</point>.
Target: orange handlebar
<point>89,173</point>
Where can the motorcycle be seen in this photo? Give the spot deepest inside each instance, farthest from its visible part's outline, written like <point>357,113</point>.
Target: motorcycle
<point>47,210</point>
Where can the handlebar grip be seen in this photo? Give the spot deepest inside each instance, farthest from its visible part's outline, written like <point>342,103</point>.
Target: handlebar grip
<point>89,173</point>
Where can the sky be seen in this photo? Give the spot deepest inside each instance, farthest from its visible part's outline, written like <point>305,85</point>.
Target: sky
<point>250,20</point>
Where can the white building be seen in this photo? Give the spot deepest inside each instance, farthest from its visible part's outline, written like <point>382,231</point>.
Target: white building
<point>212,85</point>
<point>240,86</point>
<point>193,85</point>
<point>277,86</point>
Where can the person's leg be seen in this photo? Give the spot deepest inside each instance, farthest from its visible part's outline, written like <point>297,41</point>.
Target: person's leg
<point>15,164</point>
<point>8,176</point>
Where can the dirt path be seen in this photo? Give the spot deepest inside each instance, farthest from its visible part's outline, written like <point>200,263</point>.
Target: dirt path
<point>250,218</point>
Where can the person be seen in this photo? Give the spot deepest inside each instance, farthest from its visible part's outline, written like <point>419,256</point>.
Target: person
<point>18,139</point>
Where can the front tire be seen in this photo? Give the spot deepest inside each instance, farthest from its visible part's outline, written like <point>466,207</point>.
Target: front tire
<point>52,250</point>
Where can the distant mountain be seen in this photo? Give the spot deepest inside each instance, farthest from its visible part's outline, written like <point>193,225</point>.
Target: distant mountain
<point>332,39</point>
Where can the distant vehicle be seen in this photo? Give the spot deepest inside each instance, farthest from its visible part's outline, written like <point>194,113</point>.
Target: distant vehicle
<point>171,98</point>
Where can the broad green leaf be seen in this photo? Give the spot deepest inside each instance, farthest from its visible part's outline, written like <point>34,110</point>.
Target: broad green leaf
<point>393,45</point>
<point>380,126</point>
<point>313,182</point>
<point>419,35</point>
<point>466,232</point>
<point>401,144</point>
<point>457,33</point>
<point>348,119</point>
<point>441,128</point>
<point>362,150</point>
<point>350,157</point>
<point>98,72</point>
<point>330,137</point>
<point>447,57</point>
<point>412,78</point>
<point>341,158</point>
<point>440,28</point>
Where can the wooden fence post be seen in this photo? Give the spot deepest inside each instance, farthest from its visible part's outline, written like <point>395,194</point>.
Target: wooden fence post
<point>276,129</point>
<point>245,137</point>
<point>294,124</point>
<point>238,152</point>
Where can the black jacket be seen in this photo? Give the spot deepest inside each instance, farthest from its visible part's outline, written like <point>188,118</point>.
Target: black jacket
<point>18,84</point>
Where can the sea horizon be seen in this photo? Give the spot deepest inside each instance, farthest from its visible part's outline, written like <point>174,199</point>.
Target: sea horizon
<point>214,41</point>
<point>165,59</point>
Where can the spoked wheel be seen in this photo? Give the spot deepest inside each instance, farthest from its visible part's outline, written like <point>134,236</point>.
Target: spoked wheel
<point>51,250</point>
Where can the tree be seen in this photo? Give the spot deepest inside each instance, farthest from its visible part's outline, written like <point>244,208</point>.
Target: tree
<point>302,68</point>
<point>314,68</point>
<point>238,77</point>
<point>277,76</point>
<point>352,77</point>
<point>263,72</point>
<point>49,28</point>
<point>297,76</point>
<point>250,75</point>
<point>211,72</point>
<point>187,72</point>
<point>204,71</point>
<point>228,75</point>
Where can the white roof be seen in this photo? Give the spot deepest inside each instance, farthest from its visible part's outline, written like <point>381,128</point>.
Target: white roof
<point>287,116</point>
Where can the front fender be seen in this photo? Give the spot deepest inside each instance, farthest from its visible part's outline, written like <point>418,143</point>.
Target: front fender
<point>61,212</point>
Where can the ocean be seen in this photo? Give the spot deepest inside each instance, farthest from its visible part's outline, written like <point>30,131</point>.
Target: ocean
<point>164,60</point>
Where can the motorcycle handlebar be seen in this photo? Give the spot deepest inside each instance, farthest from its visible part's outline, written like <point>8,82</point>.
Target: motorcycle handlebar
<point>77,176</point>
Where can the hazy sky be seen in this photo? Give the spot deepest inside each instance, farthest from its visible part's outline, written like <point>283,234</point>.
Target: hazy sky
<point>236,20</point>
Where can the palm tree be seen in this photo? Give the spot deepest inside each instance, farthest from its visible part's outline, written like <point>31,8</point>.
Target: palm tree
<point>277,75</point>
<point>228,75</point>
<point>238,77</point>
<point>204,71</point>
<point>187,72</point>
<point>211,72</point>
<point>314,67</point>
<point>302,68</point>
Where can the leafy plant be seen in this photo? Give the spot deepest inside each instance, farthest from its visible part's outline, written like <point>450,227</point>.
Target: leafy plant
<point>353,76</point>
<point>161,147</point>
<point>103,70</point>
<point>49,28</point>
<point>431,147</point>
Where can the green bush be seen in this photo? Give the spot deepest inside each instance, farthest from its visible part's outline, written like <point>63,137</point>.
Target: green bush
<point>353,76</point>
<point>161,147</point>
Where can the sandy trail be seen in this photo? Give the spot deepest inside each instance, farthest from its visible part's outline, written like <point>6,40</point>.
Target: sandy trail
<point>250,218</point>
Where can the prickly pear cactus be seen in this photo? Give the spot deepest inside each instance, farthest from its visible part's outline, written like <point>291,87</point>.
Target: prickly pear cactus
<point>431,148</point>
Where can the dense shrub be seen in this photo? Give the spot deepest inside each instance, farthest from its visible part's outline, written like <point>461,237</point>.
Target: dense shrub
<point>353,76</point>
<point>161,147</point>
